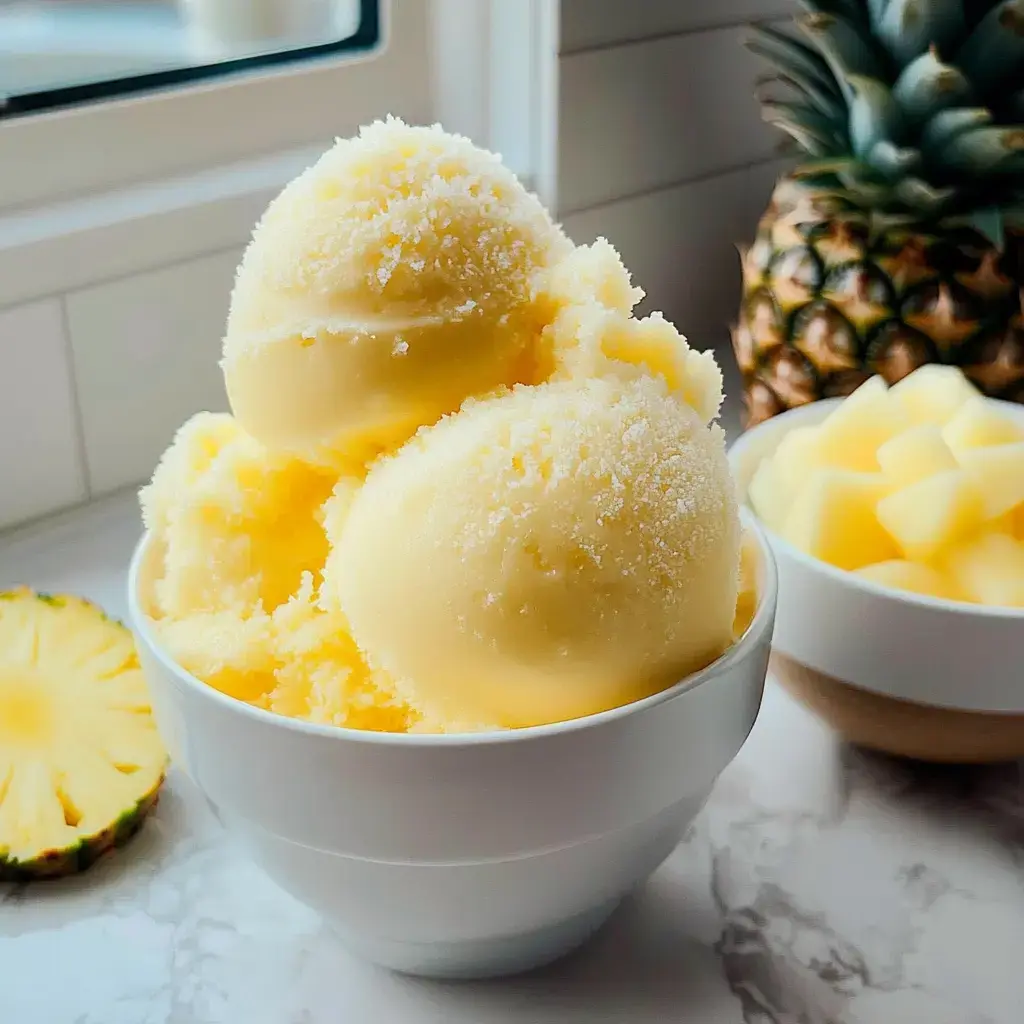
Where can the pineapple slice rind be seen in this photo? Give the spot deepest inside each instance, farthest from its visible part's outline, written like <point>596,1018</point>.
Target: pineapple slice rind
<point>80,759</point>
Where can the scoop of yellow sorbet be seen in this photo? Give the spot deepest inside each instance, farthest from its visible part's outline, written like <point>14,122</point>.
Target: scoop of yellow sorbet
<point>238,524</point>
<point>382,287</point>
<point>547,553</point>
<point>592,331</point>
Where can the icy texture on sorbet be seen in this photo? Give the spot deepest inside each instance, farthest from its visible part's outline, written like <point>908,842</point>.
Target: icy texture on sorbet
<point>239,523</point>
<point>241,546</point>
<point>543,554</point>
<point>383,286</point>
<point>592,331</point>
<point>464,487</point>
<point>588,275</point>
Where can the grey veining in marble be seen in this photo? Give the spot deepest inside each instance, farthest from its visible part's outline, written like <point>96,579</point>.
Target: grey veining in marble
<point>821,885</point>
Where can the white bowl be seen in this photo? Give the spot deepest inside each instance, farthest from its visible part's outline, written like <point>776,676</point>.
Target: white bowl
<point>943,654</point>
<point>465,855</point>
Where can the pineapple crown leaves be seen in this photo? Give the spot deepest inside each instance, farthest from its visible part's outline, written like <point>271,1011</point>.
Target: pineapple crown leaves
<point>910,109</point>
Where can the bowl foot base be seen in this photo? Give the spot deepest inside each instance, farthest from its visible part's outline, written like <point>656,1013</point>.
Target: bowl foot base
<point>482,958</point>
<point>899,727</point>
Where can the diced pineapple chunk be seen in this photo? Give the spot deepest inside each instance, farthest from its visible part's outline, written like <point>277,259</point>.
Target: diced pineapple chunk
<point>849,438</point>
<point>979,423</point>
<point>915,454</point>
<point>932,513</point>
<point>933,393</point>
<point>769,500</point>
<point>919,487</point>
<point>998,473</point>
<point>916,577</point>
<point>779,478</point>
<point>990,569</point>
<point>797,456</point>
<point>833,518</point>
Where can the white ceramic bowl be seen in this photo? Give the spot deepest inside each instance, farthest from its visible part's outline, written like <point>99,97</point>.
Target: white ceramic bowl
<point>937,653</point>
<point>461,856</point>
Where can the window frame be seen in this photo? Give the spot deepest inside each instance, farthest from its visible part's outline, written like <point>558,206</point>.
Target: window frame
<point>365,39</point>
<point>255,110</point>
<point>485,68</point>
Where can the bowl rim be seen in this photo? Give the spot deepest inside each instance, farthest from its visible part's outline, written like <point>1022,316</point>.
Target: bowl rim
<point>742,647</point>
<point>842,576</point>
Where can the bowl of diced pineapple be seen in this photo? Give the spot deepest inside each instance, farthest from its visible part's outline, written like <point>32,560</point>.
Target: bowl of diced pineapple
<point>896,516</point>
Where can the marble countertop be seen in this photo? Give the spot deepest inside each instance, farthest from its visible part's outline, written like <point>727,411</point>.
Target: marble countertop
<point>820,885</point>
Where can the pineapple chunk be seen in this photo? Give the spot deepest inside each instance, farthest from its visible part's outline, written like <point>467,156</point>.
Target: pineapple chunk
<point>850,437</point>
<point>916,577</point>
<point>933,393</point>
<point>797,456</point>
<point>833,518</point>
<point>934,512</point>
<point>998,473</point>
<point>990,569</point>
<point>915,454</point>
<point>766,497</point>
<point>979,424</point>
<point>80,759</point>
<point>780,478</point>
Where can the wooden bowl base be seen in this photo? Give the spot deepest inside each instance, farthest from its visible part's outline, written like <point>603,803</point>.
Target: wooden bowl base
<point>900,727</point>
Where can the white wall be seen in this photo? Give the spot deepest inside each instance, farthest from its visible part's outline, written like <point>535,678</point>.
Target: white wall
<point>662,150</point>
<point>110,320</point>
<point>112,302</point>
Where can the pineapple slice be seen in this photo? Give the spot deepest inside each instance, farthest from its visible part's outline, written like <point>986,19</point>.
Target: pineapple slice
<point>998,473</point>
<point>833,518</point>
<point>915,454</point>
<point>979,424</point>
<point>990,569</point>
<point>934,512</point>
<point>916,577</point>
<point>80,759</point>
<point>851,435</point>
<point>933,393</point>
<point>746,599</point>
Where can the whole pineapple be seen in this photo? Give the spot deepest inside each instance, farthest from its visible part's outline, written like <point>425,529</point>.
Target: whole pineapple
<point>898,239</point>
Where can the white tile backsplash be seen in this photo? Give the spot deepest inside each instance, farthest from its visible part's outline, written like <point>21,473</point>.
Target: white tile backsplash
<point>642,116</point>
<point>589,23</point>
<point>145,350</point>
<point>680,245</point>
<point>40,463</point>
<point>659,147</point>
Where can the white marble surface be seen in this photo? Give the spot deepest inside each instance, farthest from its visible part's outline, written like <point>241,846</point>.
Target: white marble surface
<point>819,886</point>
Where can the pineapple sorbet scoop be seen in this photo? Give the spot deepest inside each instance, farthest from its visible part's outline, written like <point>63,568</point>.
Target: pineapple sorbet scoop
<point>532,515</point>
<point>551,552</point>
<point>382,287</point>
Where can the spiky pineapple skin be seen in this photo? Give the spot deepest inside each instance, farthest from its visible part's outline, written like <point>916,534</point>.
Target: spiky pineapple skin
<point>88,850</point>
<point>830,300</point>
<point>71,861</point>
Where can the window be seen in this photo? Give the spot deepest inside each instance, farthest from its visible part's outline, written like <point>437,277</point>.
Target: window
<point>59,52</point>
<point>234,112</point>
<point>121,170</point>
